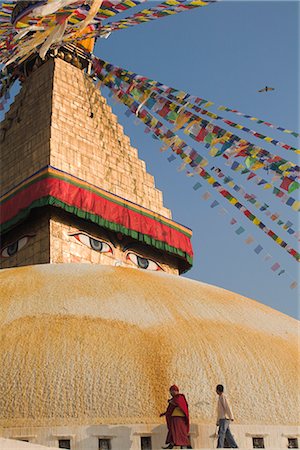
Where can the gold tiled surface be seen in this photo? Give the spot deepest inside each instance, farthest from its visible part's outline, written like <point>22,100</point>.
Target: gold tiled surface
<point>96,149</point>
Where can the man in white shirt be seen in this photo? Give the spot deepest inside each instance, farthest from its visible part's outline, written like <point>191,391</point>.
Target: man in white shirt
<point>224,416</point>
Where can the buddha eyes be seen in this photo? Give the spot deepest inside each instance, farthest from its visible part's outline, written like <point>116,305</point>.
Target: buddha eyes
<point>101,246</point>
<point>94,244</point>
<point>13,248</point>
<point>143,263</point>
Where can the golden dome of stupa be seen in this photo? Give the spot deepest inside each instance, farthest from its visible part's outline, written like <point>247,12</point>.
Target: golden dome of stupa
<point>101,344</point>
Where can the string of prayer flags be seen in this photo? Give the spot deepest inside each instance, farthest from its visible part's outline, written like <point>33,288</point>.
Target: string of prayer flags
<point>251,198</point>
<point>261,182</point>
<point>214,116</point>
<point>254,133</point>
<point>189,101</point>
<point>259,121</point>
<point>25,26</point>
<point>139,95</point>
<point>167,8</point>
<point>177,145</point>
<point>201,130</point>
<point>276,267</point>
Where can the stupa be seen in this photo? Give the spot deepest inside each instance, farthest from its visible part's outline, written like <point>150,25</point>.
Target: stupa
<point>95,321</point>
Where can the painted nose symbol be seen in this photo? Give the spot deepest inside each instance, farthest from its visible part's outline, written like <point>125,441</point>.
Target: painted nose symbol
<point>118,263</point>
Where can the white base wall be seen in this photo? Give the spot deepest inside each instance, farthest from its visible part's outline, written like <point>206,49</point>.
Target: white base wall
<point>128,437</point>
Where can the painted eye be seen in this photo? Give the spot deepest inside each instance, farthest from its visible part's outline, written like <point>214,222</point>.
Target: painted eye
<point>13,248</point>
<point>94,244</point>
<point>143,263</point>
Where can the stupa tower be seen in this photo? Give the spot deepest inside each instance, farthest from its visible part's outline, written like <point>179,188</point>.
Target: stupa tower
<point>68,167</point>
<point>89,351</point>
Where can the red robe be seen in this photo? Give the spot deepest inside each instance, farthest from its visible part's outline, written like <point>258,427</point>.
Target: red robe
<point>178,427</point>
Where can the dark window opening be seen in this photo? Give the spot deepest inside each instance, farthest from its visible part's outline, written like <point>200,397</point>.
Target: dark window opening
<point>104,444</point>
<point>258,442</point>
<point>146,443</point>
<point>23,440</point>
<point>64,443</point>
<point>293,443</point>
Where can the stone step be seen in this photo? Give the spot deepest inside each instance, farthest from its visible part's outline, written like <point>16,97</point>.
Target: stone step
<point>12,444</point>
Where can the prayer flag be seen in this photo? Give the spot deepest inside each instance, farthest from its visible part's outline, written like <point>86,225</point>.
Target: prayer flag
<point>258,249</point>
<point>267,257</point>
<point>275,267</point>
<point>214,204</point>
<point>171,158</point>
<point>206,195</point>
<point>197,186</point>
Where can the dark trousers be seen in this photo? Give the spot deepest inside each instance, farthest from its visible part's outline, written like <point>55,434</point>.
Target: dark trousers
<point>224,432</point>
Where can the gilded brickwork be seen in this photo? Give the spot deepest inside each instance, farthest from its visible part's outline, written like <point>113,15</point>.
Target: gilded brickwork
<point>26,129</point>
<point>95,148</point>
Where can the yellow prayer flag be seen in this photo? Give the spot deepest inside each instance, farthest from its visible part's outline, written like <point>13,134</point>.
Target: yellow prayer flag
<point>203,163</point>
<point>268,139</point>
<point>256,221</point>
<point>208,104</point>
<point>296,205</point>
<point>198,3</point>
<point>278,240</point>
<point>267,186</point>
<point>257,165</point>
<point>213,151</point>
<point>233,201</point>
<point>129,3</point>
<point>181,121</point>
<point>212,115</point>
<point>172,2</point>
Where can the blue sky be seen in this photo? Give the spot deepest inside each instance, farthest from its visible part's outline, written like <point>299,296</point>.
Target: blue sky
<point>223,52</point>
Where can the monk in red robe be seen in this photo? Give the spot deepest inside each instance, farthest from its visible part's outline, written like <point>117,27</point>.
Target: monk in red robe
<point>177,418</point>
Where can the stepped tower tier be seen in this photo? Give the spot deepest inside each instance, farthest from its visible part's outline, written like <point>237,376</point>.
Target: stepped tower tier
<point>72,183</point>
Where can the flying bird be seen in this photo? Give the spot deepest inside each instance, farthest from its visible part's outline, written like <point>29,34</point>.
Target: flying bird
<point>266,89</point>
